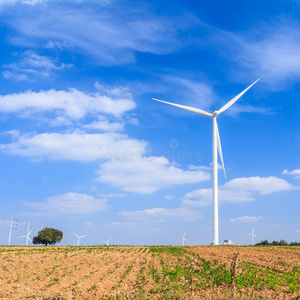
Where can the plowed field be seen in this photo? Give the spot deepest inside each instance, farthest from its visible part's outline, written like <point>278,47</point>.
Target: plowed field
<point>122,272</point>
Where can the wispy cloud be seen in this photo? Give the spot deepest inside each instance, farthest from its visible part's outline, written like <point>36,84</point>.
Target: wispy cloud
<point>274,54</point>
<point>13,2</point>
<point>245,219</point>
<point>31,66</point>
<point>294,173</point>
<point>69,203</point>
<point>146,175</point>
<point>104,125</point>
<point>161,214</point>
<point>190,92</point>
<point>107,33</point>
<point>270,52</point>
<point>238,190</point>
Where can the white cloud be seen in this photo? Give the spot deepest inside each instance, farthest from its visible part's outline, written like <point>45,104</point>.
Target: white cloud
<point>295,173</point>
<point>161,214</point>
<point>238,190</point>
<point>13,2</point>
<point>237,109</point>
<point>69,203</point>
<point>104,125</point>
<point>33,2</point>
<point>146,175</point>
<point>270,52</point>
<point>71,104</point>
<point>13,133</point>
<point>30,65</point>
<point>75,146</point>
<point>114,92</point>
<point>276,56</point>
<point>15,76</point>
<point>109,34</point>
<point>245,219</point>
<point>199,94</point>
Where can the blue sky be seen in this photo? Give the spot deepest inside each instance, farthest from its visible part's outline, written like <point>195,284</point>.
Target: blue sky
<point>84,149</point>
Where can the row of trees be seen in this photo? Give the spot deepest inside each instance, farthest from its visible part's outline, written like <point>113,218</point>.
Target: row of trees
<point>276,243</point>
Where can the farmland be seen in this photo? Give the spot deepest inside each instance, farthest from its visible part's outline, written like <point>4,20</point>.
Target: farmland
<point>150,272</point>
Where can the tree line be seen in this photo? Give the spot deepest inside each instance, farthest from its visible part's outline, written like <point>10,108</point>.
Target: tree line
<point>276,243</point>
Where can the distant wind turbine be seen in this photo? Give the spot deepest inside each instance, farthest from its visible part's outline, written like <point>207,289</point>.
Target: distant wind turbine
<point>79,237</point>
<point>253,235</point>
<point>27,236</point>
<point>106,242</point>
<point>215,147</point>
<point>183,239</point>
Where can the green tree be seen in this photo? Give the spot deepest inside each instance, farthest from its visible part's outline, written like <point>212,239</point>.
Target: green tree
<point>263,243</point>
<point>283,243</point>
<point>48,236</point>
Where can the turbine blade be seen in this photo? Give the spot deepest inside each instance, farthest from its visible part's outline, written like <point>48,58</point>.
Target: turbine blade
<point>75,234</point>
<point>232,101</point>
<point>254,235</point>
<point>297,230</point>
<point>30,240</point>
<point>220,149</point>
<point>82,236</point>
<point>22,236</point>
<point>30,232</point>
<point>192,109</point>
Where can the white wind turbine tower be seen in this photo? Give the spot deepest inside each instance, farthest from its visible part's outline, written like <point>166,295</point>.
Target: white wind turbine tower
<point>79,237</point>
<point>27,235</point>
<point>253,235</point>
<point>215,147</point>
<point>183,239</point>
<point>106,242</point>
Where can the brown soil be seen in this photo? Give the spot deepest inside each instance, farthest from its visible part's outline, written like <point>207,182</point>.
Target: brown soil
<point>123,272</point>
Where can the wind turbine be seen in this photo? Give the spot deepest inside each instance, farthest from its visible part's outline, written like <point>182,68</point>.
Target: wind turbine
<point>253,235</point>
<point>106,242</point>
<point>27,235</point>
<point>215,147</point>
<point>78,238</point>
<point>183,239</point>
<point>297,230</point>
